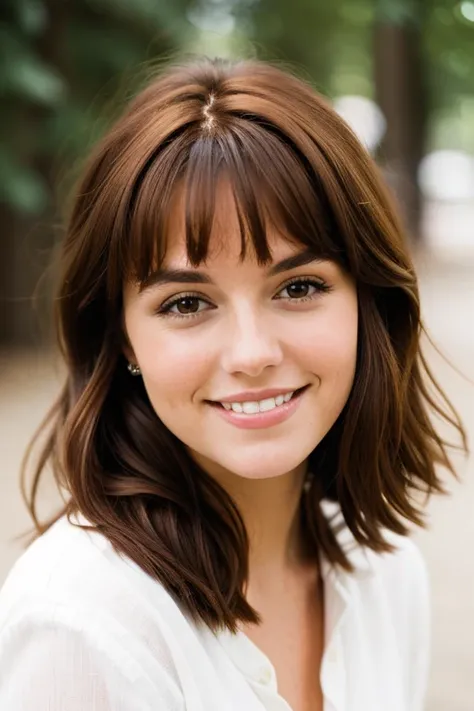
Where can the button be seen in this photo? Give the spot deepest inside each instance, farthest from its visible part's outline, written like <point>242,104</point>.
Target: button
<point>332,655</point>
<point>265,675</point>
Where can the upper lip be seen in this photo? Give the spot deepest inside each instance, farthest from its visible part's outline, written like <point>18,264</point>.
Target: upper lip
<point>256,395</point>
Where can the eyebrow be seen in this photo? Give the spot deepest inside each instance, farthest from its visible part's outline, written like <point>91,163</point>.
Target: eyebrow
<point>162,276</point>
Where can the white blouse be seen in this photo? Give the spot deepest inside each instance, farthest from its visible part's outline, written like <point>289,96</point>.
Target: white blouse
<point>81,627</point>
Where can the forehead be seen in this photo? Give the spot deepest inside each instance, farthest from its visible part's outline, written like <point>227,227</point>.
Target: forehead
<point>226,234</point>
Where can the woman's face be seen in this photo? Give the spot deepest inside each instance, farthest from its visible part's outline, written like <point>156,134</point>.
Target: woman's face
<point>221,348</point>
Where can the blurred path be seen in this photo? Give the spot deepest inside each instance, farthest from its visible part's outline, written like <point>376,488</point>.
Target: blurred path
<point>448,306</point>
<point>27,384</point>
<point>449,229</point>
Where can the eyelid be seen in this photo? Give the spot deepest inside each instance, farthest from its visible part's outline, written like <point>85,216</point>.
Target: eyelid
<point>318,282</point>
<point>167,305</point>
<point>305,278</point>
<point>182,295</point>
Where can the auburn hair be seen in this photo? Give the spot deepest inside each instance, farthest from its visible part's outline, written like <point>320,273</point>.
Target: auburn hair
<point>287,154</point>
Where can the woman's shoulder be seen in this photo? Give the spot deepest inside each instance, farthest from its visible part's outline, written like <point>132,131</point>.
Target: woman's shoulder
<point>71,588</point>
<point>402,572</point>
<point>391,589</point>
<point>64,561</point>
<point>70,568</point>
<point>74,614</point>
<point>397,579</point>
<point>403,565</point>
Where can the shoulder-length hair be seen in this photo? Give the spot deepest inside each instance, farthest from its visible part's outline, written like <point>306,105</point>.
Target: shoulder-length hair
<point>289,155</point>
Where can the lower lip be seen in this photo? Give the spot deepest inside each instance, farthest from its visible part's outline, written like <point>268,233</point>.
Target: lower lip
<point>261,419</point>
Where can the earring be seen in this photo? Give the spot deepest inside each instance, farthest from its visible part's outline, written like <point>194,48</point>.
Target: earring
<point>134,369</point>
<point>308,482</point>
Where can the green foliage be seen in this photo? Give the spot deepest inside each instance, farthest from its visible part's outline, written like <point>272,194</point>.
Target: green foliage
<point>400,12</point>
<point>29,15</point>
<point>62,66</point>
<point>22,73</point>
<point>332,43</point>
<point>449,45</point>
<point>63,63</point>
<point>23,187</point>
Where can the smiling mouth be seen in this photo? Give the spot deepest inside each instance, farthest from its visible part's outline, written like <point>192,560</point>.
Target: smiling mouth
<point>255,407</point>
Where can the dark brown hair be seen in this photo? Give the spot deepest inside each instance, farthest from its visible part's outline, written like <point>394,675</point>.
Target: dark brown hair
<point>288,155</point>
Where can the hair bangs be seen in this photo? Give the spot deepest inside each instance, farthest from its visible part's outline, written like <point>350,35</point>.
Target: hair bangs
<point>144,243</point>
<point>275,182</point>
<point>272,183</point>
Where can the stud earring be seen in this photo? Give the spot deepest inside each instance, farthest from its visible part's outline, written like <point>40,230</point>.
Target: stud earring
<point>134,369</point>
<point>308,482</point>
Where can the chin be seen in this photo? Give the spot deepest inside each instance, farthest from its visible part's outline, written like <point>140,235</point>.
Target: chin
<point>263,467</point>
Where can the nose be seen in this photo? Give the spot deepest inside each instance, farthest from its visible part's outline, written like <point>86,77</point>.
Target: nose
<point>251,345</point>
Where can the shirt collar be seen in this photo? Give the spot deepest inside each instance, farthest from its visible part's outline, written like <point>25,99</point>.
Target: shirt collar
<point>360,557</point>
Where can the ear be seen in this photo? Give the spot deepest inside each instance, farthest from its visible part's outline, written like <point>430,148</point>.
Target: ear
<point>127,349</point>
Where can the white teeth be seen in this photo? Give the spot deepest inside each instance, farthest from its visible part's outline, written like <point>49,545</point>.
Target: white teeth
<point>253,407</point>
<point>250,408</point>
<point>269,404</point>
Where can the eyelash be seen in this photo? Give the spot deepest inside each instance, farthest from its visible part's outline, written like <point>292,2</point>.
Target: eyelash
<point>320,286</point>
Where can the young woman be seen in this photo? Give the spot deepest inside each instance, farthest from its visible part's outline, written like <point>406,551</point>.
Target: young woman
<point>244,423</point>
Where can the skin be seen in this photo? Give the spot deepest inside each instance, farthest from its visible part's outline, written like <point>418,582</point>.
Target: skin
<point>248,334</point>
<point>251,333</point>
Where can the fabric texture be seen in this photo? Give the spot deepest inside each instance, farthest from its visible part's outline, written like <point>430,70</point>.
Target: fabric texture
<point>82,627</point>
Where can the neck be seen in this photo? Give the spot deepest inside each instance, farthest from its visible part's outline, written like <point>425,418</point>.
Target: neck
<point>270,511</point>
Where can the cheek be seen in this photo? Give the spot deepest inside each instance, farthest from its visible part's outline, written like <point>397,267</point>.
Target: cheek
<point>338,353</point>
<point>334,359</point>
<point>332,347</point>
<point>171,366</point>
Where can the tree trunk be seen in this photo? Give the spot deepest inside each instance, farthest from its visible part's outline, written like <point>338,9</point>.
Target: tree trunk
<point>400,93</point>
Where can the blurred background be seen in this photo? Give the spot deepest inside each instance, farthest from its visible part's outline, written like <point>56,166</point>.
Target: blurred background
<point>401,72</point>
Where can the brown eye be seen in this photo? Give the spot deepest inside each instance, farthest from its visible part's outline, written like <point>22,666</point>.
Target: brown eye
<point>303,290</point>
<point>298,290</point>
<point>187,305</point>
